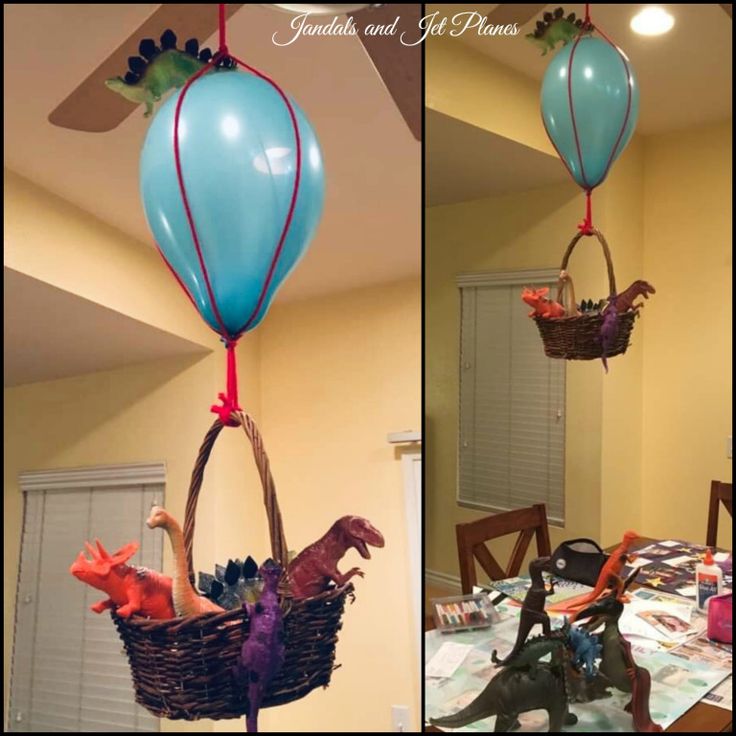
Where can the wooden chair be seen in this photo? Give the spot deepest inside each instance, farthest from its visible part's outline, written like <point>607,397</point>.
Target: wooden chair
<point>471,539</point>
<point>719,492</point>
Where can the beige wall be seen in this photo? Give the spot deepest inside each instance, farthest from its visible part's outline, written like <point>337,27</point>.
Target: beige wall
<point>326,378</point>
<point>687,360</point>
<point>52,240</point>
<point>466,84</point>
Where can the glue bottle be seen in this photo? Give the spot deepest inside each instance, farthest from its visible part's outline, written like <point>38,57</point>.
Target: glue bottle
<point>708,580</point>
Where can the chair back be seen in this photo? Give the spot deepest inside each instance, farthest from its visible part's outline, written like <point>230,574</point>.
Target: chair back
<point>472,538</point>
<point>719,493</point>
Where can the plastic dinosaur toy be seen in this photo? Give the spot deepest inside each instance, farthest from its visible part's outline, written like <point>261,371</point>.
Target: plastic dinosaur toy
<point>609,330</point>
<point>512,692</point>
<point>528,656</point>
<point>131,589</point>
<point>186,600</point>
<point>532,610</point>
<point>312,570</point>
<point>610,572</point>
<point>262,653</point>
<point>233,585</point>
<point>625,300</point>
<point>586,649</point>
<point>160,69</point>
<point>568,295</point>
<point>618,667</point>
<point>542,307</point>
<point>556,28</point>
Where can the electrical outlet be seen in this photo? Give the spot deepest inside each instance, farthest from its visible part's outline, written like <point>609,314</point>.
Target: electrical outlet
<point>728,449</point>
<point>400,718</point>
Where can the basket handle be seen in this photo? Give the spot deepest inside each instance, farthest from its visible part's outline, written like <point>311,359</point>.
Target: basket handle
<point>279,549</point>
<point>606,254</point>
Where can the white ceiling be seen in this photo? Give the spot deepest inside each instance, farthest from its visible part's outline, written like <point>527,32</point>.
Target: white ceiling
<point>464,162</point>
<point>50,334</point>
<point>370,231</point>
<point>685,75</point>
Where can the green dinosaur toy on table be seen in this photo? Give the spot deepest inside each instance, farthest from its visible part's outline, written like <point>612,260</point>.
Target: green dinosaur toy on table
<point>160,69</point>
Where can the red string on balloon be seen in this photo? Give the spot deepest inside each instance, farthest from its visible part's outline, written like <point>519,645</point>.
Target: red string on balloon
<point>294,194</point>
<point>229,399</point>
<point>221,14</point>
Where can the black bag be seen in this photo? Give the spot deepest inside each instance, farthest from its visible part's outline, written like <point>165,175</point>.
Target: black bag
<point>579,560</point>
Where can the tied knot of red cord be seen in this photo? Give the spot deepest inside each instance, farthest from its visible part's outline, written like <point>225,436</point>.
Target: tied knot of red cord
<point>226,410</point>
<point>230,399</point>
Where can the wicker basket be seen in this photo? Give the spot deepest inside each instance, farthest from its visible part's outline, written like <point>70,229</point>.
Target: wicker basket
<point>183,668</point>
<point>579,338</point>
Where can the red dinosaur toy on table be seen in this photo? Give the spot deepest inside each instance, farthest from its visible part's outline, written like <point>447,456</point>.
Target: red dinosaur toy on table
<point>610,575</point>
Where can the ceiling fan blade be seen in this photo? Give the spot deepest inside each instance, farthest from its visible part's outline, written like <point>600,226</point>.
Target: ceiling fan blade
<point>93,108</point>
<point>399,66</point>
<point>510,13</point>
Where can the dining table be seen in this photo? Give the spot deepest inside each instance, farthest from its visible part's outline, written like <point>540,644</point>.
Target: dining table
<point>701,718</point>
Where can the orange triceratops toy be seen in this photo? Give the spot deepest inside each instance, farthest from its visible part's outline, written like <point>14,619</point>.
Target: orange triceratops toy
<point>542,307</point>
<point>131,589</point>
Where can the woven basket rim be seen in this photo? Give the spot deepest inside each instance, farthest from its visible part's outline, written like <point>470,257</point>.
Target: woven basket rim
<point>210,617</point>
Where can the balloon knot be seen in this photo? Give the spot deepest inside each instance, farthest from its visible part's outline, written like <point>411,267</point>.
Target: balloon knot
<point>226,411</point>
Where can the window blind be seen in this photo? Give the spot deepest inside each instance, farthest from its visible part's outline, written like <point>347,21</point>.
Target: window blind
<point>70,672</point>
<point>512,401</point>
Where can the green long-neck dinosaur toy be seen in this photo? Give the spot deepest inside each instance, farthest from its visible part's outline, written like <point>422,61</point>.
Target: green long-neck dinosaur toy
<point>160,69</point>
<point>555,28</point>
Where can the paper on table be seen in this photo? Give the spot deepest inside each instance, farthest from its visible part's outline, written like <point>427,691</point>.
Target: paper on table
<point>638,562</point>
<point>678,561</point>
<point>722,695</point>
<point>449,657</point>
<point>661,621</point>
<point>721,556</point>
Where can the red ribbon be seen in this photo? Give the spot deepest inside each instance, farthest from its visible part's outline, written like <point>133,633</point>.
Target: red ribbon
<point>586,226</point>
<point>230,399</point>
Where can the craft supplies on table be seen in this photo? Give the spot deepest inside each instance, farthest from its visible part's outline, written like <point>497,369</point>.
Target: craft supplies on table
<point>460,612</point>
<point>669,566</point>
<point>708,580</point>
<point>720,618</point>
<point>678,682</point>
<point>516,589</point>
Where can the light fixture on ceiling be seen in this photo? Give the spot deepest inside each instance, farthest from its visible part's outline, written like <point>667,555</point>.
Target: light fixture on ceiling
<point>652,21</point>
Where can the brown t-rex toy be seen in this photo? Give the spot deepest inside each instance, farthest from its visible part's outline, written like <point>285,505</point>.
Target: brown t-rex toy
<point>532,610</point>
<point>312,570</point>
<point>610,575</point>
<point>625,300</point>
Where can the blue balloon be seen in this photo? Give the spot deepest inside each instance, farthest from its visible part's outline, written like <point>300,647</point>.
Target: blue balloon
<point>603,86</point>
<point>238,158</point>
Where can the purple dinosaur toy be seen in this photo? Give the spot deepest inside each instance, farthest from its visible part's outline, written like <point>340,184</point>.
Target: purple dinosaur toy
<point>609,329</point>
<point>262,654</point>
